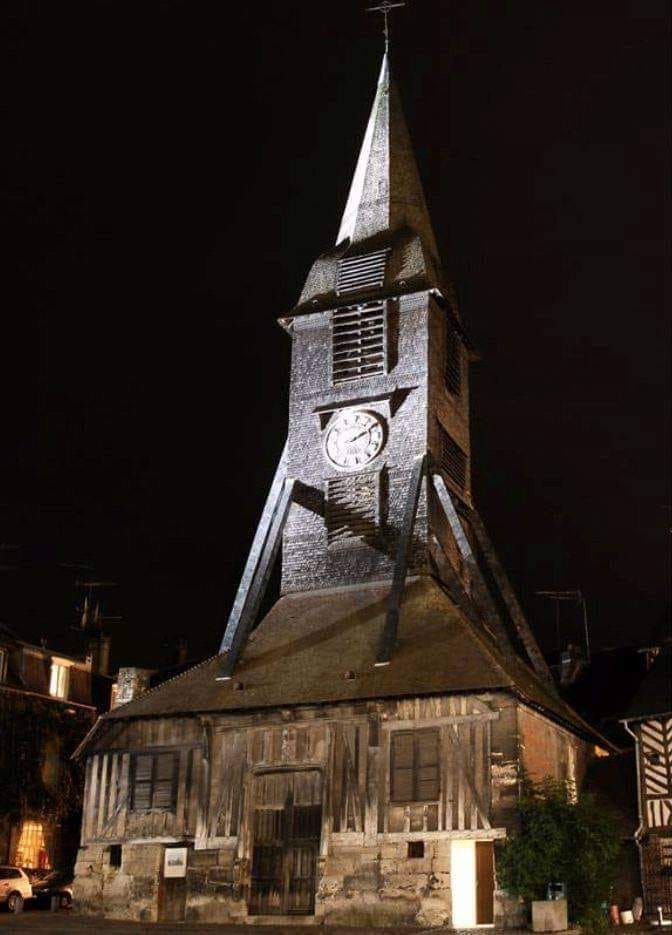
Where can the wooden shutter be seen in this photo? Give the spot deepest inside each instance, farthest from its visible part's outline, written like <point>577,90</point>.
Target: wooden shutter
<point>426,765</point>
<point>414,767</point>
<point>402,767</point>
<point>142,782</point>
<point>165,771</point>
<point>155,780</point>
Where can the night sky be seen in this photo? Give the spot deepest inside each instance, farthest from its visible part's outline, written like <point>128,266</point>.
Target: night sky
<point>171,171</point>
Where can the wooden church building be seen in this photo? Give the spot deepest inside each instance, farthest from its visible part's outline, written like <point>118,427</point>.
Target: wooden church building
<point>355,757</point>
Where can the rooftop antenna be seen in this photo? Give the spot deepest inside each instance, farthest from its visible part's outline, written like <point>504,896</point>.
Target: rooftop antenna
<point>384,7</point>
<point>575,597</point>
<point>91,616</point>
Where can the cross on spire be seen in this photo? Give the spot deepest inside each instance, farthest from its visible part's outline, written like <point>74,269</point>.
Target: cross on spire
<point>384,7</point>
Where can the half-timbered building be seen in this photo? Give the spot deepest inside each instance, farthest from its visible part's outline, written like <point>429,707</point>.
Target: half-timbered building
<point>355,757</point>
<point>649,721</point>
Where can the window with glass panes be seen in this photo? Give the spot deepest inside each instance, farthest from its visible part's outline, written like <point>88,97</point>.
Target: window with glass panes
<point>58,680</point>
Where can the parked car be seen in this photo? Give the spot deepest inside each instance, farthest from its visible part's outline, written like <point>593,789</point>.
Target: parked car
<point>15,888</point>
<point>57,884</point>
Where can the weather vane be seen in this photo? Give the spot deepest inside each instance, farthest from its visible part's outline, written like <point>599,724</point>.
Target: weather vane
<point>384,7</point>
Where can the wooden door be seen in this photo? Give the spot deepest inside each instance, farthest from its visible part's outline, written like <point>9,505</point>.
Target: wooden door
<point>268,885</point>
<point>485,883</point>
<point>286,824</point>
<point>172,900</point>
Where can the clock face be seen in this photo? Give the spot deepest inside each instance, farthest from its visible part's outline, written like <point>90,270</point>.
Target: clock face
<point>355,438</point>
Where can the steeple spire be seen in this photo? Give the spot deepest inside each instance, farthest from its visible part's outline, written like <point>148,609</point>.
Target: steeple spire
<point>386,192</point>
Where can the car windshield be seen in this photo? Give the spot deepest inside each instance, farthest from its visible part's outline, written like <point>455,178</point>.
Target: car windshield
<point>9,873</point>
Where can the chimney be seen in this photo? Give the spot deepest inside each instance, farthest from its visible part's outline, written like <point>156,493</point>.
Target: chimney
<point>99,652</point>
<point>131,682</point>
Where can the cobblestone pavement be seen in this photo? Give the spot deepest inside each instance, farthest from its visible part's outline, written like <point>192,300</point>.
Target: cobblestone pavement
<point>69,923</point>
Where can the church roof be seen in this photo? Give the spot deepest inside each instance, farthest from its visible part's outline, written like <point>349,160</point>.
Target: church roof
<point>305,646</point>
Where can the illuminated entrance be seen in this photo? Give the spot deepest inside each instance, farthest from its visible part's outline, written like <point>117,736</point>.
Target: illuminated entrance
<point>472,883</point>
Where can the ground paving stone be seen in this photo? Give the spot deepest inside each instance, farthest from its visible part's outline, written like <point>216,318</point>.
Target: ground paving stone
<point>69,923</point>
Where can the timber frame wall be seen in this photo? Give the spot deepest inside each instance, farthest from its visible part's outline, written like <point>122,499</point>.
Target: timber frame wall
<point>350,745</point>
<point>485,741</point>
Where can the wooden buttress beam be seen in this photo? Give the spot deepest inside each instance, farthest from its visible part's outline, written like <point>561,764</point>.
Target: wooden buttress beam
<point>256,549</point>
<point>482,595</point>
<point>260,561</point>
<point>260,581</point>
<point>389,635</point>
<point>523,628</point>
<point>451,581</point>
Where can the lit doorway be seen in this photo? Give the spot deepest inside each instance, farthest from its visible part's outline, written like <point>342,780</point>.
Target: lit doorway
<point>472,883</point>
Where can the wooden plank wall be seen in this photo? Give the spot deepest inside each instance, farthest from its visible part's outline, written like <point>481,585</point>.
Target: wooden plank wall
<point>349,745</point>
<point>107,794</point>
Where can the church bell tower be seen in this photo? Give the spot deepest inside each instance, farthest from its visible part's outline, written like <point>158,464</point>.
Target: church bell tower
<point>379,374</point>
<point>374,484</point>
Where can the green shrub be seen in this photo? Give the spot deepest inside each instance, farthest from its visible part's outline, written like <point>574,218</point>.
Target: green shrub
<point>561,839</point>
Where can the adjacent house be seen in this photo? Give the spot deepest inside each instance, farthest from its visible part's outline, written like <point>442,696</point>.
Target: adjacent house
<point>649,721</point>
<point>48,701</point>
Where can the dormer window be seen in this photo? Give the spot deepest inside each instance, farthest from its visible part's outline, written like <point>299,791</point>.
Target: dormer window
<point>59,680</point>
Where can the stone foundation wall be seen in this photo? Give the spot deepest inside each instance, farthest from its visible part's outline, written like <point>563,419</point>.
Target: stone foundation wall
<point>128,892</point>
<point>214,893</point>
<point>356,885</point>
<point>380,885</point>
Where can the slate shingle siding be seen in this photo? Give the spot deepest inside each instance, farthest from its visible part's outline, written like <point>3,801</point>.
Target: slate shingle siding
<point>307,560</point>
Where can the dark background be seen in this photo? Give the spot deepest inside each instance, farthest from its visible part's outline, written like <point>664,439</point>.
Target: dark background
<point>172,170</point>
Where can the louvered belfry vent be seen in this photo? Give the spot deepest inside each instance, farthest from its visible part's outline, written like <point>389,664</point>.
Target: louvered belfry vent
<point>353,509</point>
<point>356,273</point>
<point>359,342</point>
<point>453,460</point>
<point>453,362</point>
